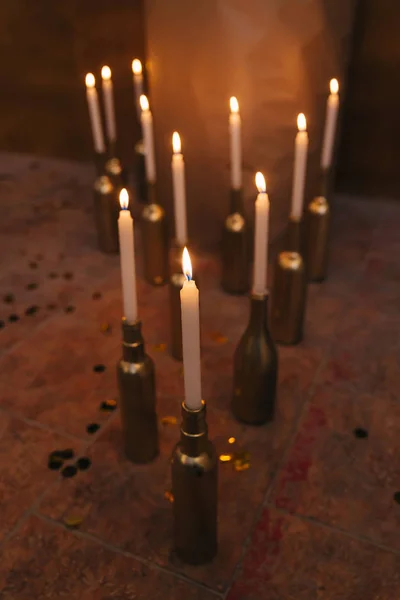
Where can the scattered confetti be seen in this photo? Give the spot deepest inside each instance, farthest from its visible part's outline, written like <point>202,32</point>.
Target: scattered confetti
<point>69,309</point>
<point>108,405</point>
<point>105,328</point>
<point>360,433</point>
<point>9,298</point>
<point>33,265</point>
<point>99,368</point>
<point>32,286</point>
<point>53,275</point>
<point>219,338</point>
<point>169,496</point>
<point>225,457</point>
<point>241,466</point>
<point>66,454</point>
<point>231,440</point>
<point>13,318</point>
<point>69,471</point>
<point>96,295</point>
<point>32,310</point>
<point>55,463</point>
<point>68,275</point>
<point>83,463</point>
<point>73,522</point>
<point>160,347</point>
<point>169,420</point>
<point>92,427</point>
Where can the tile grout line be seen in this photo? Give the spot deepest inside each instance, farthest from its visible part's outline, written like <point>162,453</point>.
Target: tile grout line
<point>119,551</point>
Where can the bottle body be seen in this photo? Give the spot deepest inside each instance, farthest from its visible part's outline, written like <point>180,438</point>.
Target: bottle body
<point>235,248</point>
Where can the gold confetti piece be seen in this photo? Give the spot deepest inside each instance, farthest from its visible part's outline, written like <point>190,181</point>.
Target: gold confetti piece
<point>73,522</point>
<point>219,338</point>
<point>225,457</point>
<point>105,328</point>
<point>169,496</point>
<point>231,440</point>
<point>241,466</point>
<point>169,420</point>
<point>160,347</point>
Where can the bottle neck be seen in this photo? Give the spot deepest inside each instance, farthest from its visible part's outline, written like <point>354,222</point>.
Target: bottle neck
<point>258,311</point>
<point>236,205</point>
<point>293,238</point>
<point>132,342</point>
<point>194,431</point>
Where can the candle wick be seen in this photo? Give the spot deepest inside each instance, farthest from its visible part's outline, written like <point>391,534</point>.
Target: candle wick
<point>188,276</point>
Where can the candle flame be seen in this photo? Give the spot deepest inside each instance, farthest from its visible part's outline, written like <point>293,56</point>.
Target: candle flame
<point>124,198</point>
<point>106,72</point>
<point>334,86</point>
<point>301,122</point>
<point>260,182</point>
<point>144,103</point>
<point>90,80</point>
<point>234,104</point>
<point>176,143</point>
<point>186,264</point>
<point>136,66</point>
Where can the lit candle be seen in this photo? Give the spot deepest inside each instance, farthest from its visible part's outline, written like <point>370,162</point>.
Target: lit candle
<point>190,336</point>
<point>261,237</point>
<point>127,258</point>
<point>137,82</point>
<point>148,140</point>
<point>236,148</point>
<point>108,96</point>
<point>332,109</point>
<point>94,113</point>
<point>178,182</point>
<point>300,167</point>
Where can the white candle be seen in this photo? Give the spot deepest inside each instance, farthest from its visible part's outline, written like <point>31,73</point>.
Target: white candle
<point>94,113</point>
<point>300,167</point>
<point>332,109</point>
<point>148,139</point>
<point>236,148</point>
<point>127,258</point>
<point>108,96</point>
<point>261,237</point>
<point>190,336</point>
<point>178,182</point>
<point>137,82</point>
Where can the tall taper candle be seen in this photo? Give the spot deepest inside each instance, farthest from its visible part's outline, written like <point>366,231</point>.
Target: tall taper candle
<point>190,336</point>
<point>236,147</point>
<point>300,167</point>
<point>148,139</point>
<point>108,96</point>
<point>127,258</point>
<point>137,71</point>
<point>94,113</point>
<point>332,109</point>
<point>178,182</point>
<point>261,237</point>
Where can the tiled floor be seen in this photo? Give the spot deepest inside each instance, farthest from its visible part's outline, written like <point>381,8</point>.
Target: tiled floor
<point>315,515</point>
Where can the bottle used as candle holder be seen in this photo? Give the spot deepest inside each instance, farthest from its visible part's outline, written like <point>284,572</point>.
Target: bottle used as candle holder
<point>317,238</point>
<point>235,248</point>
<point>114,171</point>
<point>154,240</point>
<point>255,368</point>
<point>106,212</point>
<point>137,388</point>
<point>289,289</point>
<point>140,173</point>
<point>195,490</point>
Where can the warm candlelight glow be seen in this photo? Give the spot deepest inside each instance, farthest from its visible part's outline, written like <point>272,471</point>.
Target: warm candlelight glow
<point>136,66</point>
<point>144,103</point>
<point>106,72</point>
<point>90,80</point>
<point>186,264</point>
<point>124,198</point>
<point>176,143</point>
<point>334,85</point>
<point>234,104</point>
<point>301,122</point>
<point>260,182</point>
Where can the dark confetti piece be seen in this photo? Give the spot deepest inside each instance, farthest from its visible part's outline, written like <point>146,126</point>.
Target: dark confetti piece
<point>32,310</point>
<point>92,427</point>
<point>2,324</point>
<point>51,306</point>
<point>108,405</point>
<point>33,265</point>
<point>69,309</point>
<point>64,454</point>
<point>53,275</point>
<point>68,275</point>
<point>55,463</point>
<point>13,318</point>
<point>83,463</point>
<point>9,298</point>
<point>96,295</point>
<point>99,368</point>
<point>69,471</point>
<point>396,497</point>
<point>360,433</point>
<point>32,286</point>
